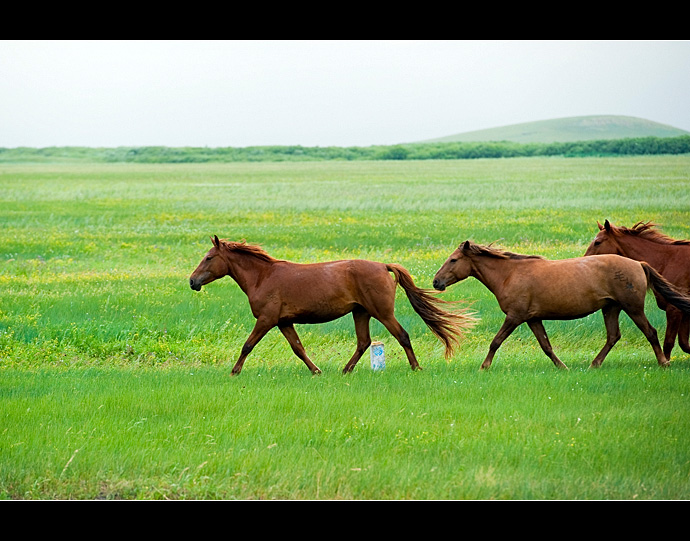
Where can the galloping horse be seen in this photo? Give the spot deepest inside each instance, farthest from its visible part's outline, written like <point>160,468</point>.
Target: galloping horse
<point>531,289</point>
<point>282,293</point>
<point>670,258</point>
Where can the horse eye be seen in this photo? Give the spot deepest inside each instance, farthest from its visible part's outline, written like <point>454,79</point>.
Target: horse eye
<point>453,260</point>
<point>208,258</point>
<point>597,242</point>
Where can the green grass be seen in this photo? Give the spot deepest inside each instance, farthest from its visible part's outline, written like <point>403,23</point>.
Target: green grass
<point>114,375</point>
<point>448,432</point>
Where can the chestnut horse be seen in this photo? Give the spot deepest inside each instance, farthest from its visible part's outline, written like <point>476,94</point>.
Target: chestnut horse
<point>282,293</point>
<point>669,257</point>
<point>531,289</point>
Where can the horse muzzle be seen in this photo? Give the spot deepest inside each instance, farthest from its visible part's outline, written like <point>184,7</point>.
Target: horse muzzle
<point>196,286</point>
<point>439,285</point>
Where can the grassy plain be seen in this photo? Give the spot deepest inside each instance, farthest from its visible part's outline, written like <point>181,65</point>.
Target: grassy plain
<point>114,375</point>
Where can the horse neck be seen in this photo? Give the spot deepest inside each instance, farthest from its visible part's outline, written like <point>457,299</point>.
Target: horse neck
<point>492,271</point>
<point>247,270</point>
<point>640,249</point>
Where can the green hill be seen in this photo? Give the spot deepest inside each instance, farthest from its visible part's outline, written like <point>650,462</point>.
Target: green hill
<point>579,128</point>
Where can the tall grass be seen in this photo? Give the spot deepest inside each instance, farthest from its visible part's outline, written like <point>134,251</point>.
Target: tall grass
<point>114,375</point>
<point>525,431</point>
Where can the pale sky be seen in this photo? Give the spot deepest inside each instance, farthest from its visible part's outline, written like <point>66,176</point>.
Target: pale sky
<point>323,93</point>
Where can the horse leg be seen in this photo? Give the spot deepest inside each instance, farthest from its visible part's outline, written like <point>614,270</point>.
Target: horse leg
<point>684,335</point>
<point>540,332</point>
<point>362,319</point>
<point>645,326</point>
<point>613,332</point>
<point>673,321</point>
<point>403,339</point>
<point>509,325</point>
<point>290,335</point>
<point>258,332</point>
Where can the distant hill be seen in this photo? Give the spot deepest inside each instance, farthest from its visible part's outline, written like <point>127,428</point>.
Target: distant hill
<point>578,128</point>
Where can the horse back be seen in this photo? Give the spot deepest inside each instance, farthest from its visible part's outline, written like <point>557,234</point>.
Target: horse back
<point>342,277</point>
<point>602,274</point>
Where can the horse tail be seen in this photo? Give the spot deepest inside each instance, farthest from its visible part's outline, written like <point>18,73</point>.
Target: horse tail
<point>665,289</point>
<point>446,325</point>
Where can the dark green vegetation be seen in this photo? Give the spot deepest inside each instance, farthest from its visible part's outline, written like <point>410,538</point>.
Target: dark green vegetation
<point>114,375</point>
<point>635,146</point>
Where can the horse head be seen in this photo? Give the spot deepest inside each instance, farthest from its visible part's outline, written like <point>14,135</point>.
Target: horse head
<point>456,268</point>
<point>212,266</point>
<point>604,242</point>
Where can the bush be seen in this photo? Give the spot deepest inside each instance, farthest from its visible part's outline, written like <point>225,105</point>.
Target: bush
<point>418,151</point>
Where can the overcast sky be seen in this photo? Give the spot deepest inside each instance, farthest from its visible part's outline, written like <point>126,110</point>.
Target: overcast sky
<point>322,93</point>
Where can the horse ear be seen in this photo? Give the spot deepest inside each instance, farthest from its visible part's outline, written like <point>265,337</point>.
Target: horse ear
<point>216,242</point>
<point>601,227</point>
<point>466,245</point>
<point>607,225</point>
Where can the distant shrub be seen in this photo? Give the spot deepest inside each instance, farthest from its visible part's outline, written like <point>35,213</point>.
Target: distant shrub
<point>396,152</point>
<point>413,151</point>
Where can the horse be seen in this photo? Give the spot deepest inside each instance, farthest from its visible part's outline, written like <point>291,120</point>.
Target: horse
<point>670,257</point>
<point>532,289</point>
<point>283,293</point>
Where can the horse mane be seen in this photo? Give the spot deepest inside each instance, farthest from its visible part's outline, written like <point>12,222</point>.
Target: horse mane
<point>478,249</point>
<point>248,249</point>
<point>647,231</point>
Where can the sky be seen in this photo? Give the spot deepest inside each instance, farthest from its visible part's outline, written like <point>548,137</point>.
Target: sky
<point>323,93</point>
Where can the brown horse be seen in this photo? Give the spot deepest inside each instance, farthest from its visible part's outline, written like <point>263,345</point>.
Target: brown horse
<point>531,289</point>
<point>669,257</point>
<point>282,293</point>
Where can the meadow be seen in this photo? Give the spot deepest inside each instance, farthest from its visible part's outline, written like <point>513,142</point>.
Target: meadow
<point>115,375</point>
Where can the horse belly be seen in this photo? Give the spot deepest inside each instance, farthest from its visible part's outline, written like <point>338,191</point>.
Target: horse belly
<point>559,308</point>
<point>316,305</point>
<point>321,312</point>
<point>569,312</point>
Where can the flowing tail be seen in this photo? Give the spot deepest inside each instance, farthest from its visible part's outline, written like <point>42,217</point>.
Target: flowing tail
<point>447,326</point>
<point>666,289</point>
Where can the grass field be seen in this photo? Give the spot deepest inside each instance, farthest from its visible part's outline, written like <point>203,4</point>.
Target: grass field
<point>114,374</point>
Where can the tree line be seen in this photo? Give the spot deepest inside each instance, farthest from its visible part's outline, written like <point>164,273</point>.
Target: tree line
<point>411,151</point>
